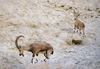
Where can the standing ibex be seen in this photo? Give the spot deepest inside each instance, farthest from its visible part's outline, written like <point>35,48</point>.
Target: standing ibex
<point>36,48</point>
<point>78,24</point>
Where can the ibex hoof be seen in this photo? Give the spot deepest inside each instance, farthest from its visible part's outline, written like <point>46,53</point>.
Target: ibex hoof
<point>35,62</point>
<point>31,62</point>
<point>45,60</point>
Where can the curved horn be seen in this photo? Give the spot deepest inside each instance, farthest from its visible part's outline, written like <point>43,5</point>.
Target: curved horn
<point>16,41</point>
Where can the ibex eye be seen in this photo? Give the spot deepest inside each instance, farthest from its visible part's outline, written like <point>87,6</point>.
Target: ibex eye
<point>19,50</point>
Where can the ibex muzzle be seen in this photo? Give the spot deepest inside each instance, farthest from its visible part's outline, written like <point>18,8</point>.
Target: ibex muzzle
<point>21,55</point>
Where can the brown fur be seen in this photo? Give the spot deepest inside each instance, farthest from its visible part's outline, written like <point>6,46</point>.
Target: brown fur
<point>36,48</point>
<point>78,24</point>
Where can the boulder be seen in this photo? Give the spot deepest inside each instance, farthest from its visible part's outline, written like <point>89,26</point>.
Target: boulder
<point>69,39</point>
<point>76,39</point>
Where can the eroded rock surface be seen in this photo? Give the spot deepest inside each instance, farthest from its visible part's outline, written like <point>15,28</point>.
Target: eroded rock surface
<point>53,22</point>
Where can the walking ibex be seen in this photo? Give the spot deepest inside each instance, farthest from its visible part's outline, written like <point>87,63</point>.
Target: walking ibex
<point>36,48</point>
<point>78,24</point>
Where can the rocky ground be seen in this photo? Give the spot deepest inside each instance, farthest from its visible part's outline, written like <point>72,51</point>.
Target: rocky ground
<point>51,21</point>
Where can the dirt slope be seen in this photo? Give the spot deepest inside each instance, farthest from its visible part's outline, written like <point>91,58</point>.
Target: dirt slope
<point>53,21</point>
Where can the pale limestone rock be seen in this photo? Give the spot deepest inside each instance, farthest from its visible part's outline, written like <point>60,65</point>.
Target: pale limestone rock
<point>69,39</point>
<point>61,5</point>
<point>73,38</point>
<point>39,65</point>
<point>76,38</point>
<point>36,20</point>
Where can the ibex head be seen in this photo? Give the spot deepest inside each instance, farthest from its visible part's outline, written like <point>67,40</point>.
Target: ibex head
<point>20,48</point>
<point>76,15</point>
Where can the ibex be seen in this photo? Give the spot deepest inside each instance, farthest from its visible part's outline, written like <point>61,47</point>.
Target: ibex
<point>78,24</point>
<point>36,48</point>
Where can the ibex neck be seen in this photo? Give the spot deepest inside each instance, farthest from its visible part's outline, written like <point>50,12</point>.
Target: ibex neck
<point>76,19</point>
<point>27,48</point>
